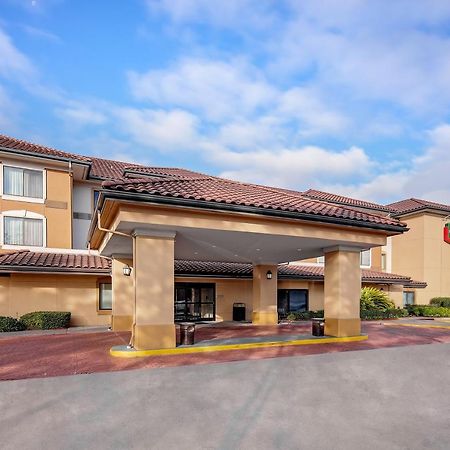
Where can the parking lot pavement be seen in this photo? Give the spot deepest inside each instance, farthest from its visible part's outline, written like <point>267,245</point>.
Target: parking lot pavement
<point>390,398</point>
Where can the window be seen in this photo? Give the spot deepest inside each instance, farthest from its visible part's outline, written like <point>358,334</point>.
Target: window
<point>292,300</point>
<point>23,231</point>
<point>105,296</point>
<point>96,194</point>
<point>408,298</point>
<point>23,182</point>
<point>383,261</point>
<point>365,258</point>
<point>195,301</point>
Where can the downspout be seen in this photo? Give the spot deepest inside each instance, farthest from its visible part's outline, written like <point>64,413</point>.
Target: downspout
<point>133,237</point>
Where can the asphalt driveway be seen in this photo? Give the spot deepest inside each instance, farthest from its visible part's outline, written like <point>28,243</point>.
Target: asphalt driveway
<point>391,398</point>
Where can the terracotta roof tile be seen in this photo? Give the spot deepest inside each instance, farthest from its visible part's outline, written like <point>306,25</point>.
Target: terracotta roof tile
<point>28,261</point>
<point>24,146</point>
<point>340,199</point>
<point>290,271</point>
<point>415,204</point>
<point>60,262</point>
<point>218,190</point>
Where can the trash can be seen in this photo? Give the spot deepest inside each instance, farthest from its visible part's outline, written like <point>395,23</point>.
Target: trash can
<point>318,326</point>
<point>187,333</point>
<point>239,312</point>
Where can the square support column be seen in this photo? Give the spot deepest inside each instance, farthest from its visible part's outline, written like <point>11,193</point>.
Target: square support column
<point>122,294</point>
<point>342,291</point>
<point>154,281</point>
<point>264,295</point>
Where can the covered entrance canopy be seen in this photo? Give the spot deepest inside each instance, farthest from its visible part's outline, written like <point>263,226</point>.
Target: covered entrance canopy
<point>149,222</point>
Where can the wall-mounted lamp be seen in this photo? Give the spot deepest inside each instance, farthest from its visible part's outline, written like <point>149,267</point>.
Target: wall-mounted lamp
<point>269,275</point>
<point>126,270</point>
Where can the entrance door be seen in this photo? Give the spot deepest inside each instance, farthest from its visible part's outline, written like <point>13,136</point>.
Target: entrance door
<point>292,300</point>
<point>195,301</point>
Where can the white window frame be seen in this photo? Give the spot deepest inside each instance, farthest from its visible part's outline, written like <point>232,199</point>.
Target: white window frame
<point>370,258</point>
<point>22,214</point>
<point>20,198</point>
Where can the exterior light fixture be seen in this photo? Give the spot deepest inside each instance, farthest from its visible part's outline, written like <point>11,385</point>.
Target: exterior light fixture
<point>126,270</point>
<point>269,275</point>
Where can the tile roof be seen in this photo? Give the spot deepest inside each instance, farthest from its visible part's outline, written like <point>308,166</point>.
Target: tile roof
<point>209,189</point>
<point>28,147</point>
<point>59,262</point>
<point>290,271</point>
<point>340,199</point>
<point>28,261</point>
<point>415,204</point>
<point>107,169</point>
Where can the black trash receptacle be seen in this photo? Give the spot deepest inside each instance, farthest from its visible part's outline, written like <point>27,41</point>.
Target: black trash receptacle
<point>238,312</point>
<point>318,326</point>
<point>187,333</point>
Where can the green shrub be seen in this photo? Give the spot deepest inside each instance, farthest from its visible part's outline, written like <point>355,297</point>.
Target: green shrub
<point>46,320</point>
<point>440,301</point>
<point>377,314</point>
<point>11,324</point>
<point>305,315</point>
<point>374,299</point>
<point>428,311</point>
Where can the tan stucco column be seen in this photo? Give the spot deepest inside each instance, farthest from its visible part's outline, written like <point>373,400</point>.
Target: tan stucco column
<point>153,256</point>
<point>122,294</point>
<point>264,295</point>
<point>342,291</point>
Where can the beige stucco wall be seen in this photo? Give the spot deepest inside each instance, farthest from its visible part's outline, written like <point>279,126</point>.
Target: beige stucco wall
<point>423,255</point>
<point>23,293</point>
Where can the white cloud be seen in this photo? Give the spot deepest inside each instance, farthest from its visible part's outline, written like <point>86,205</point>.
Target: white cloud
<point>229,14</point>
<point>296,168</point>
<point>305,105</point>
<point>13,62</point>
<point>78,114</point>
<point>173,130</point>
<point>217,89</point>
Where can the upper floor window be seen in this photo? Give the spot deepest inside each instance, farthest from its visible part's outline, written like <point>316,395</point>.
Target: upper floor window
<point>96,195</point>
<point>365,258</point>
<point>23,182</point>
<point>23,231</point>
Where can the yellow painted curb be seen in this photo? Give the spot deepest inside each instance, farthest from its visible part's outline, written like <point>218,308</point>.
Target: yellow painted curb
<point>221,348</point>
<point>416,325</point>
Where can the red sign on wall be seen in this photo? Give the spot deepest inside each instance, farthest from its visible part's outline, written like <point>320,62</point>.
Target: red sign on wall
<point>447,233</point>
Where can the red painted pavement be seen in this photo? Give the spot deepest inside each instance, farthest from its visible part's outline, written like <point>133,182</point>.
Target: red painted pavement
<point>69,354</point>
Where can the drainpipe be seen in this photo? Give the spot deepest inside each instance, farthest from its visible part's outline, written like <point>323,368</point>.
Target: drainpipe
<point>133,238</point>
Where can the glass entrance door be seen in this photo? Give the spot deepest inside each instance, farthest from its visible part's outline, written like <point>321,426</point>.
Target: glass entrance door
<point>195,301</point>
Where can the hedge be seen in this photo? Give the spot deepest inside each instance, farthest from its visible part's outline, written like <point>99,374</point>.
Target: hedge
<point>46,320</point>
<point>440,301</point>
<point>305,315</point>
<point>10,324</point>
<point>392,313</point>
<point>428,311</point>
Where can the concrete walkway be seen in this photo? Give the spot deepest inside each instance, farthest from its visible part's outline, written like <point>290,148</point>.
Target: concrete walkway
<point>395,398</point>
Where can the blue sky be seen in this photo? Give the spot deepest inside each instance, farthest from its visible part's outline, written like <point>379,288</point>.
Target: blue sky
<point>349,96</point>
